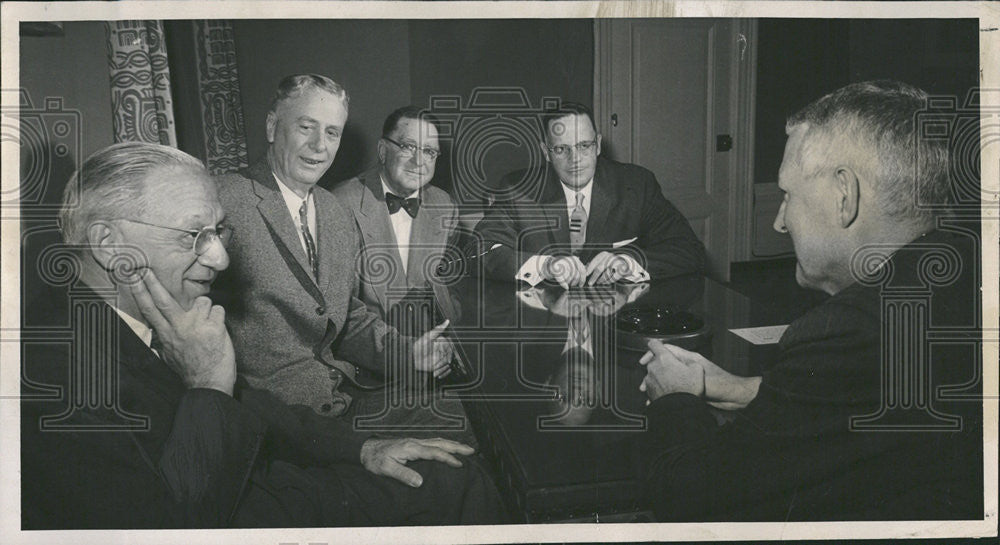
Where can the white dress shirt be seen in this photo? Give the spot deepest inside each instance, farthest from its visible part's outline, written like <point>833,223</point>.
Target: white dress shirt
<point>530,271</point>
<point>140,329</point>
<point>294,203</point>
<point>402,224</point>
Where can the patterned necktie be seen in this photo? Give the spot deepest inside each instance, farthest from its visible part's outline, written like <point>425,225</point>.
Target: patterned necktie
<point>578,225</point>
<point>310,244</point>
<point>394,202</point>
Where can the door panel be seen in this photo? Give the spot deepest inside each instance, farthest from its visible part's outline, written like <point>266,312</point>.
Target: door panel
<point>670,85</point>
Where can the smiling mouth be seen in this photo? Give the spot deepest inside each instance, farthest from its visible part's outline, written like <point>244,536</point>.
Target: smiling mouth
<point>311,162</point>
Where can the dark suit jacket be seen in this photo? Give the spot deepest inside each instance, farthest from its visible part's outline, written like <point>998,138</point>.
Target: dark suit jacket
<point>793,454</point>
<point>379,263</point>
<point>111,437</point>
<point>626,203</point>
<point>296,336</point>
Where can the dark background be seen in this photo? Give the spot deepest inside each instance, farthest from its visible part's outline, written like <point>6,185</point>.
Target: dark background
<point>388,63</point>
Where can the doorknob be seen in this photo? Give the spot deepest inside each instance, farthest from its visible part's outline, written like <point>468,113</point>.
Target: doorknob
<point>614,120</point>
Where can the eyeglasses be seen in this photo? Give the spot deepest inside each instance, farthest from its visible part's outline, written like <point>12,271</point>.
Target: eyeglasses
<point>410,150</point>
<point>583,148</point>
<point>202,239</point>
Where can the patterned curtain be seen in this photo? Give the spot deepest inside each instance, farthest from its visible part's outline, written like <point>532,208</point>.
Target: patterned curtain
<point>140,83</point>
<point>221,107</point>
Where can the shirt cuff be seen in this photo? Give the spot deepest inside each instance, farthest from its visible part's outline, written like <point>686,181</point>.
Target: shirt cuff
<point>531,271</point>
<point>636,272</point>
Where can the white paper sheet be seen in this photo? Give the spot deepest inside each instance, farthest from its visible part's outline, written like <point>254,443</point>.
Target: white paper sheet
<point>762,335</point>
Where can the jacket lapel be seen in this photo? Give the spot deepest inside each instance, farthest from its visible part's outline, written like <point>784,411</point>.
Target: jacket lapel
<point>602,200</point>
<point>423,233</point>
<point>331,244</point>
<point>275,213</point>
<point>376,229</point>
<point>555,209</point>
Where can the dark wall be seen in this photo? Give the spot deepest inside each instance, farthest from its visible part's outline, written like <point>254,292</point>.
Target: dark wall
<point>800,60</point>
<point>370,59</point>
<point>542,58</point>
<point>72,67</point>
<point>387,64</point>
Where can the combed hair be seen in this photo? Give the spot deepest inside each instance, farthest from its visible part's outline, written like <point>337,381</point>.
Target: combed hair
<point>111,185</point>
<point>407,112</point>
<point>879,119</point>
<point>566,108</point>
<point>294,85</point>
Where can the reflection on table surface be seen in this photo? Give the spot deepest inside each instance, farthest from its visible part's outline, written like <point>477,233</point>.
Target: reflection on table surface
<point>554,390</point>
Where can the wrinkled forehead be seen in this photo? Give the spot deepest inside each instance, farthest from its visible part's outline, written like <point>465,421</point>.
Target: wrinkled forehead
<point>570,128</point>
<point>415,129</point>
<point>181,193</point>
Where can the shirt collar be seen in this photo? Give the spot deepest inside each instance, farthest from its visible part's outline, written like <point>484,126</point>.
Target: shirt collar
<point>571,193</point>
<point>140,329</point>
<point>292,201</point>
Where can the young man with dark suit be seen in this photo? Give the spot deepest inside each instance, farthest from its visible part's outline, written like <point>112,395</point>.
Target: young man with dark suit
<point>583,219</point>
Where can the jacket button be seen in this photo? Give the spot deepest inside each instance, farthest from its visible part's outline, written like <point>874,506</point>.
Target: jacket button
<point>320,310</point>
<point>326,407</point>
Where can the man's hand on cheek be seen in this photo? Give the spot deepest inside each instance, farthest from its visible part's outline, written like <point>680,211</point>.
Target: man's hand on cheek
<point>195,343</point>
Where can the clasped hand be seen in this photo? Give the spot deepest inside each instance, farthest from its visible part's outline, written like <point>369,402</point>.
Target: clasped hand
<point>570,272</point>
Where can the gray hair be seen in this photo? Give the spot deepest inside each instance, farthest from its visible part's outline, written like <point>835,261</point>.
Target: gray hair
<point>295,85</point>
<point>878,120</point>
<point>111,185</point>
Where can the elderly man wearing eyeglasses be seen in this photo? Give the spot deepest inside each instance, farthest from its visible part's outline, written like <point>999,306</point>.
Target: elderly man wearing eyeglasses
<point>406,222</point>
<point>582,219</point>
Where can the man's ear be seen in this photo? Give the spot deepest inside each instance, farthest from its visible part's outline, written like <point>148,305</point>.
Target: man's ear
<point>545,150</point>
<point>848,194</point>
<point>381,151</point>
<point>104,240</point>
<point>272,122</point>
<point>598,152</point>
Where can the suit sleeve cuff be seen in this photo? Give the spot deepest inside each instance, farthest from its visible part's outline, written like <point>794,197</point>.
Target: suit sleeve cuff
<point>634,271</point>
<point>531,271</point>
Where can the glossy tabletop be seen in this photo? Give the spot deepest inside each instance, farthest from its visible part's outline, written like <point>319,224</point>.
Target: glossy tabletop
<point>554,392</point>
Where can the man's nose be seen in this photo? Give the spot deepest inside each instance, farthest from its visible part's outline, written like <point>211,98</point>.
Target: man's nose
<point>779,220</point>
<point>418,157</point>
<point>215,257</point>
<point>317,142</point>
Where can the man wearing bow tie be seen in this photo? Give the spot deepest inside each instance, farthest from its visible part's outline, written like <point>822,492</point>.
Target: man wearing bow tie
<point>405,223</point>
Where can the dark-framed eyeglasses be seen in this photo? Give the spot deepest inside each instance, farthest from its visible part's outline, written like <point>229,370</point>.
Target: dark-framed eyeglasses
<point>584,148</point>
<point>202,239</point>
<point>410,150</point>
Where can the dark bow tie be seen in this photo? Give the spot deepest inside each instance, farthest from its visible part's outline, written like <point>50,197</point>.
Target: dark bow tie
<point>395,202</point>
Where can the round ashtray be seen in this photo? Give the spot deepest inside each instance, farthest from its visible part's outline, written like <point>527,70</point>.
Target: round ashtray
<point>637,326</point>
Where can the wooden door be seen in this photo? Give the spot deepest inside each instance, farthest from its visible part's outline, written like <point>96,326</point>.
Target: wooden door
<point>668,94</point>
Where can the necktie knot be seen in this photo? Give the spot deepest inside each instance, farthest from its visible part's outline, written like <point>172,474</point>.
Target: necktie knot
<point>394,202</point>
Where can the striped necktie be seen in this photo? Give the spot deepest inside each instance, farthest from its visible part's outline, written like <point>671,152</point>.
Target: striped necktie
<point>578,225</point>
<point>310,244</point>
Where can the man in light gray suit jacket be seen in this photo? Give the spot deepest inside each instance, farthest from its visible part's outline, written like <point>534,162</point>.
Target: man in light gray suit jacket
<point>291,294</point>
<point>405,223</point>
